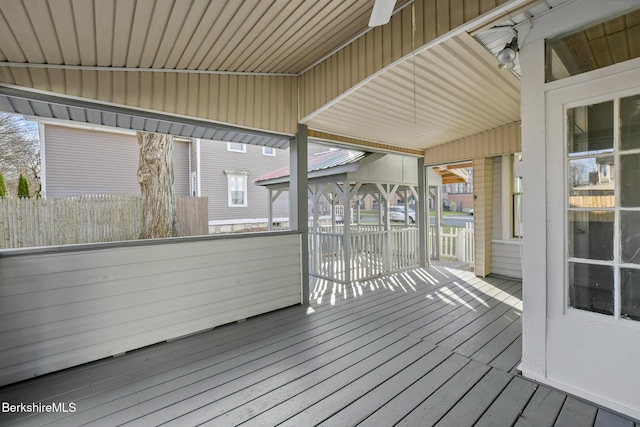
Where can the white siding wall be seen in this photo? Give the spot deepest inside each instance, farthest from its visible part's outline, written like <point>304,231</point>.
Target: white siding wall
<point>506,258</point>
<point>496,232</point>
<point>65,308</point>
<point>85,161</point>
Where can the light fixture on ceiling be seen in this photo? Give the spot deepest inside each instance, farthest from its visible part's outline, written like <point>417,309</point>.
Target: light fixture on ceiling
<point>381,13</point>
<point>507,56</point>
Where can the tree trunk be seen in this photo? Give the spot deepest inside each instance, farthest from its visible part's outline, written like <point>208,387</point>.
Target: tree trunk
<point>155,175</point>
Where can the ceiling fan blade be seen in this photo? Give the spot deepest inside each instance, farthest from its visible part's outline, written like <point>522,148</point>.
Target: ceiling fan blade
<point>381,13</point>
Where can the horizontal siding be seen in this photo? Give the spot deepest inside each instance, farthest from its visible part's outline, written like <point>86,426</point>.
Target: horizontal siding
<point>384,45</point>
<point>495,142</point>
<point>67,308</point>
<point>181,167</point>
<point>483,217</point>
<point>215,159</point>
<point>506,259</point>
<point>83,161</point>
<point>260,102</point>
<point>497,200</point>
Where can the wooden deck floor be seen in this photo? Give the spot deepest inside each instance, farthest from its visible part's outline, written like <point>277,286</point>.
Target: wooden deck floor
<point>425,347</point>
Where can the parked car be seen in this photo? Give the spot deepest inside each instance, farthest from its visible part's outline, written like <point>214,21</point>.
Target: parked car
<point>471,211</point>
<point>396,213</point>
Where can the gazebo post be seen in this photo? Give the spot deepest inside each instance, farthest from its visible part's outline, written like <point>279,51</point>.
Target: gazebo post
<point>270,210</point>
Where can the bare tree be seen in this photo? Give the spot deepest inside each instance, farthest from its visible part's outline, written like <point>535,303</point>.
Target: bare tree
<point>155,175</point>
<point>19,151</point>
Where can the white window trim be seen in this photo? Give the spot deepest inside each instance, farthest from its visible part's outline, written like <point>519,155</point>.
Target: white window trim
<point>272,154</point>
<point>234,174</point>
<point>230,147</point>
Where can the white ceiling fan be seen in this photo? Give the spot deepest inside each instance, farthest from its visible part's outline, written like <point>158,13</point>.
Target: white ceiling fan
<point>381,13</point>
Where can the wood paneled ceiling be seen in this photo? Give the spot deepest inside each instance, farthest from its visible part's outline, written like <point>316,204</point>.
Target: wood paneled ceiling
<point>451,90</point>
<point>283,36</point>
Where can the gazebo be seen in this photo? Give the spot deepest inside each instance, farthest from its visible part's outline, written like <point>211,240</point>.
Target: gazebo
<point>344,245</point>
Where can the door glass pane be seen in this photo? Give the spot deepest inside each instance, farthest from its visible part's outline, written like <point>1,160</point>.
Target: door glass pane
<point>591,235</point>
<point>590,129</point>
<point>630,122</point>
<point>591,287</point>
<point>591,183</point>
<point>630,180</point>
<point>593,47</point>
<point>630,236</point>
<point>630,293</point>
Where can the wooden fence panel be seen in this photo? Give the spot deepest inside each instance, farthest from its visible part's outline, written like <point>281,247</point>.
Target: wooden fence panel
<point>193,215</point>
<point>87,219</point>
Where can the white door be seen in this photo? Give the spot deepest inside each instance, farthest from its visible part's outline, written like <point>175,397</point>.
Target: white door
<point>593,238</point>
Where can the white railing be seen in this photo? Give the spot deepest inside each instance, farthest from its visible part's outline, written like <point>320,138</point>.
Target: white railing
<point>372,251</point>
<point>457,244</point>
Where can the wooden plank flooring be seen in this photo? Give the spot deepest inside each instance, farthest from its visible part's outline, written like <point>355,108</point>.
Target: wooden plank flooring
<point>425,347</point>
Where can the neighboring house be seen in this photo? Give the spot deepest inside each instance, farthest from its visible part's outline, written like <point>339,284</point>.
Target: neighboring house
<point>459,196</point>
<point>80,160</point>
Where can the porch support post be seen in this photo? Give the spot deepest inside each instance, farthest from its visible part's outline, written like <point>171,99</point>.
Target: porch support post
<point>422,219</point>
<point>483,213</point>
<point>346,201</point>
<point>298,210</point>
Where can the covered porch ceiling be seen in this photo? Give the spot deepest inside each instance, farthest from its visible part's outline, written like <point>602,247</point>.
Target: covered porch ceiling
<point>442,92</point>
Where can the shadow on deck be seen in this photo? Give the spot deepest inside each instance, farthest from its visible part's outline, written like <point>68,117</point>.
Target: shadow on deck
<point>418,348</point>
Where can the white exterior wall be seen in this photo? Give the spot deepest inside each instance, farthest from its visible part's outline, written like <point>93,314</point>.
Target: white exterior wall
<point>586,354</point>
<point>65,307</point>
<point>506,252</point>
<point>388,169</point>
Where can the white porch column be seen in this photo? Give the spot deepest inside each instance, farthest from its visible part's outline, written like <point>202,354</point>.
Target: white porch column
<point>438,221</point>
<point>298,210</point>
<point>421,217</point>
<point>483,214</point>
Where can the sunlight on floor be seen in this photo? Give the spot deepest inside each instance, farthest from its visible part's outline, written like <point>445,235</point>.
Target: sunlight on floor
<point>452,286</point>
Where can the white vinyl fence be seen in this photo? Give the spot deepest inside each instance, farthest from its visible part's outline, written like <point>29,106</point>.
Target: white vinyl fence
<point>372,251</point>
<point>456,244</point>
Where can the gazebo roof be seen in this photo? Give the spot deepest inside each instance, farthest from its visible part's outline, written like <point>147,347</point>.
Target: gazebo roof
<point>324,163</point>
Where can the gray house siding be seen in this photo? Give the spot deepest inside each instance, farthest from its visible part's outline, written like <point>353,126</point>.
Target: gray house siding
<point>181,167</point>
<point>88,161</point>
<point>84,161</point>
<point>215,160</point>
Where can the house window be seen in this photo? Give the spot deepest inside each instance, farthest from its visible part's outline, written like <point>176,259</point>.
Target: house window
<point>237,147</point>
<point>237,188</point>
<point>602,171</point>
<point>268,151</point>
